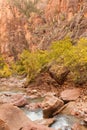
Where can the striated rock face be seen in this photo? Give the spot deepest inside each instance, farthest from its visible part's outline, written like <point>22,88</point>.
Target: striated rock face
<point>14,33</point>
<point>58,18</point>
<point>64,9</point>
<point>64,17</point>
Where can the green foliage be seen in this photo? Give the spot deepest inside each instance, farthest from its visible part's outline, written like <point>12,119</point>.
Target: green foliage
<point>4,68</point>
<point>31,63</point>
<point>63,53</point>
<point>72,56</point>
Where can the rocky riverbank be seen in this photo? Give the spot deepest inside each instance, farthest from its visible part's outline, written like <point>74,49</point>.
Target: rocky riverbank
<point>69,102</point>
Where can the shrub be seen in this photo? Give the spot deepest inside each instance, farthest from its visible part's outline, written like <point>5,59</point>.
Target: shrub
<point>4,68</point>
<point>63,52</point>
<point>72,56</point>
<point>31,63</point>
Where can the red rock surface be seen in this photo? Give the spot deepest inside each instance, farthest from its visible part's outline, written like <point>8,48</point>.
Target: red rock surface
<point>70,94</point>
<point>17,120</point>
<point>14,33</point>
<point>50,105</point>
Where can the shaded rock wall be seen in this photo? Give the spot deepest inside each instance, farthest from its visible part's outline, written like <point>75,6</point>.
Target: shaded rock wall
<point>59,18</point>
<point>14,33</point>
<point>64,9</point>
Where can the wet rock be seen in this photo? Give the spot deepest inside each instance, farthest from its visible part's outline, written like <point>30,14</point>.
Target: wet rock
<point>34,106</point>
<point>15,99</point>
<point>46,122</point>
<point>17,120</point>
<point>70,94</point>
<point>50,105</point>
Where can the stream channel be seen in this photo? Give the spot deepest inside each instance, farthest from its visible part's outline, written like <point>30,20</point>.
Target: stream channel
<point>63,122</point>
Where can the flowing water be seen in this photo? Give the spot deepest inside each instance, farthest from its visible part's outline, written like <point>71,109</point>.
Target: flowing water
<point>63,122</point>
<point>34,115</point>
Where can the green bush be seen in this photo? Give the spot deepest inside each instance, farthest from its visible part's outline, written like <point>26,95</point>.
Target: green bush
<point>4,68</point>
<point>72,56</point>
<point>63,52</point>
<point>31,63</point>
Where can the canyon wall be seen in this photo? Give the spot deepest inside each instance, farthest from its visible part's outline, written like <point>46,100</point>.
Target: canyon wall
<point>17,32</point>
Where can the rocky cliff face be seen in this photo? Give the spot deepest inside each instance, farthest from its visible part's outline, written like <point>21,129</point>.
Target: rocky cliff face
<point>65,9</point>
<point>14,33</point>
<point>59,18</point>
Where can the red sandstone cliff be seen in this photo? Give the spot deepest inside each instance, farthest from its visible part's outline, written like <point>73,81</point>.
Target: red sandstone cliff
<point>14,32</point>
<point>60,9</point>
<point>58,19</point>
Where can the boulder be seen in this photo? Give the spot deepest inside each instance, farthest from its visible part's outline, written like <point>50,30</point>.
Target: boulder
<point>50,105</point>
<point>70,94</point>
<point>13,116</point>
<point>58,73</point>
<point>78,109</point>
<point>15,119</point>
<point>68,109</point>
